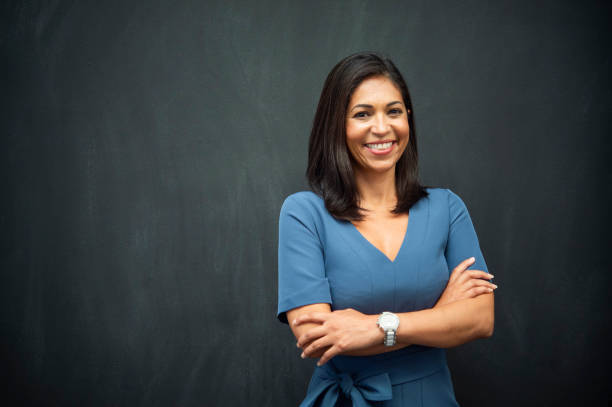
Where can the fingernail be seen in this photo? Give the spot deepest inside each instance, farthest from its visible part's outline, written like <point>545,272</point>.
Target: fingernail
<point>318,363</point>
<point>494,286</point>
<point>297,344</point>
<point>303,356</point>
<point>491,275</point>
<point>472,258</point>
<point>294,321</point>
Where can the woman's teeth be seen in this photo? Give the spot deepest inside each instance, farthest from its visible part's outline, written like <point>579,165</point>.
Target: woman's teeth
<point>382,146</point>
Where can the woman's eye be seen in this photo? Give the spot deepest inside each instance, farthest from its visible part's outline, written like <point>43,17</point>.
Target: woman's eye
<point>395,111</point>
<point>361,114</point>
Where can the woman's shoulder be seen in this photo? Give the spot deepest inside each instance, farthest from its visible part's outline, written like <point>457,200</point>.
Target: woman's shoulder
<point>436,191</point>
<point>303,199</point>
<point>310,205</point>
<point>311,202</point>
<point>447,200</point>
<point>304,203</point>
<point>305,208</point>
<point>440,193</point>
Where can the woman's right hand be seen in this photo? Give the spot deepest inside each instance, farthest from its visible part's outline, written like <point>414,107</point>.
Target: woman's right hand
<point>464,283</point>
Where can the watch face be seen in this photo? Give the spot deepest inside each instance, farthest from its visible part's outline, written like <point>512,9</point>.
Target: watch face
<point>386,319</point>
<point>389,321</point>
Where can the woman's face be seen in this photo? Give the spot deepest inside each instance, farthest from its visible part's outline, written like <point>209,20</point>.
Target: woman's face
<point>377,128</point>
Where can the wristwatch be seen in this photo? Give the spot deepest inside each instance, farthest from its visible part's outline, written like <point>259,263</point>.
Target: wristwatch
<point>388,322</point>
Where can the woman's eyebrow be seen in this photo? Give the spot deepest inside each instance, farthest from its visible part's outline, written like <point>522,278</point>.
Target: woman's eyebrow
<point>370,106</point>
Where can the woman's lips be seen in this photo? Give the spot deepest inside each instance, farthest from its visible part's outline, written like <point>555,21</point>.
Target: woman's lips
<point>380,151</point>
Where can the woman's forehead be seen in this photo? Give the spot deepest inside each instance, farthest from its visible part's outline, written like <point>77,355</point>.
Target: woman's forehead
<point>376,89</point>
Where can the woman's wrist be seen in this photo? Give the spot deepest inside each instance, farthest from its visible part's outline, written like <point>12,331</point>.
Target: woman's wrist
<point>378,336</point>
<point>377,340</point>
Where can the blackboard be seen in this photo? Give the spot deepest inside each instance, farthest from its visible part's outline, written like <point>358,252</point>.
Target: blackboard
<point>147,147</point>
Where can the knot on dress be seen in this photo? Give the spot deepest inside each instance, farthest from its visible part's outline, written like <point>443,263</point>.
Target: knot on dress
<point>346,383</point>
<point>360,389</point>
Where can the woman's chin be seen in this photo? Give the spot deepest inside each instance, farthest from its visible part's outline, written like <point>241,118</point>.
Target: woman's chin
<point>377,168</point>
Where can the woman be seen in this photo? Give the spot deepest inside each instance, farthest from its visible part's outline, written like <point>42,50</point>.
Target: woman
<point>377,274</point>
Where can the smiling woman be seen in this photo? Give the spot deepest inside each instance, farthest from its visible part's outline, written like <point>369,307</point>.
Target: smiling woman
<point>377,274</point>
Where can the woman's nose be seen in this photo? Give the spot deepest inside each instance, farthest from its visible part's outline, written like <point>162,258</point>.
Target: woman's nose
<point>380,126</point>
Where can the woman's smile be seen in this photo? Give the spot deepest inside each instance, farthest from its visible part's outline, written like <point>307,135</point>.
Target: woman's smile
<point>380,147</point>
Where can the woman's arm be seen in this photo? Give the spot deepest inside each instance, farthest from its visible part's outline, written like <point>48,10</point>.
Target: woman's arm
<point>463,284</point>
<point>301,330</point>
<point>449,325</point>
<point>350,332</point>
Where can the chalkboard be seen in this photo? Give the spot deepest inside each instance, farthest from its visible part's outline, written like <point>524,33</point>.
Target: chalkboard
<point>147,147</point>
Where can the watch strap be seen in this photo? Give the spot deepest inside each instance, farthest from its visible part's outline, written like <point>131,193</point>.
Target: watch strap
<point>390,338</point>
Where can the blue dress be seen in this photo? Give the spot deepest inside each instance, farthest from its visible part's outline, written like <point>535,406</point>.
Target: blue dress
<point>324,260</point>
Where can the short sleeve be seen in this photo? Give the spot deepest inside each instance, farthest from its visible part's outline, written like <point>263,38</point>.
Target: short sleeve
<point>462,240</point>
<point>301,262</point>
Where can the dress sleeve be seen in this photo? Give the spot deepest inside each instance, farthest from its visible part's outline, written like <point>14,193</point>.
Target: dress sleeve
<point>301,263</point>
<point>462,240</point>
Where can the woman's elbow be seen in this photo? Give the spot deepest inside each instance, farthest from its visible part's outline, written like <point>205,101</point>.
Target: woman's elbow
<point>487,321</point>
<point>488,327</point>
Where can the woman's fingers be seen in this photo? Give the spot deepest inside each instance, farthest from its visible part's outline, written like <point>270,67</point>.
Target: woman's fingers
<point>464,283</point>
<point>473,275</point>
<point>475,291</point>
<point>329,353</point>
<point>310,336</point>
<point>479,274</point>
<point>316,346</point>
<point>457,271</point>
<point>319,317</point>
<point>478,282</point>
<point>319,352</point>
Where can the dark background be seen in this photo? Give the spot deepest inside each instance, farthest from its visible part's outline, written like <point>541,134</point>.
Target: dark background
<point>146,149</point>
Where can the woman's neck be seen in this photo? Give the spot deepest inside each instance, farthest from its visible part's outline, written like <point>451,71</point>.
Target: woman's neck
<point>376,189</point>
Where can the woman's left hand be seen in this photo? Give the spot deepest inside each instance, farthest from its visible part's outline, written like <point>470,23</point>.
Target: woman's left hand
<point>339,331</point>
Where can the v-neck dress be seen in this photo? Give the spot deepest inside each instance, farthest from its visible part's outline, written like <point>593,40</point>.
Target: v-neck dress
<point>325,260</point>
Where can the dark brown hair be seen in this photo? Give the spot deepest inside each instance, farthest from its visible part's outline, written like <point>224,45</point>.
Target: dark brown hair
<point>330,172</point>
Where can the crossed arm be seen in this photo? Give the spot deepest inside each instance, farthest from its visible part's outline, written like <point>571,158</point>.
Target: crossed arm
<point>454,320</point>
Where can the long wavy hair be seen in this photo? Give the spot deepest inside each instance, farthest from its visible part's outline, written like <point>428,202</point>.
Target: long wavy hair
<point>330,170</point>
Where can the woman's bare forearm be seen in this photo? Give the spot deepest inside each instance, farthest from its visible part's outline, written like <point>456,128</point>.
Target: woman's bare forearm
<point>375,350</point>
<point>444,326</point>
<point>448,325</point>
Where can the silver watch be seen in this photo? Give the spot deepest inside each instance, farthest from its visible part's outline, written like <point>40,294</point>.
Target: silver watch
<point>388,322</point>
